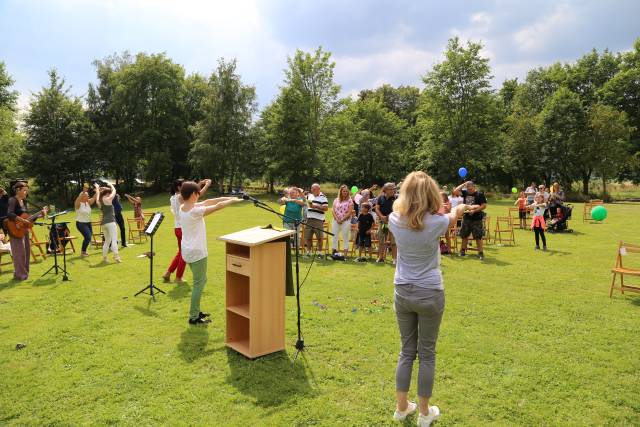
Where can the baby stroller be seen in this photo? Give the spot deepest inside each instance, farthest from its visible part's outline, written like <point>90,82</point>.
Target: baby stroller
<point>560,215</point>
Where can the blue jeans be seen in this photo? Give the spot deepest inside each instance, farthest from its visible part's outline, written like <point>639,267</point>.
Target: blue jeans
<point>85,229</point>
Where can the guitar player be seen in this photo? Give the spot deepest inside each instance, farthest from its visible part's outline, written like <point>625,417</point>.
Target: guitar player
<point>21,247</point>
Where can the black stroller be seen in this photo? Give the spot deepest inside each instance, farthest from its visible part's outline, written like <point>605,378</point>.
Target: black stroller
<point>560,215</point>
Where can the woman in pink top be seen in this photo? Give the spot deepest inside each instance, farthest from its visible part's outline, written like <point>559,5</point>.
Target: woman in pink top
<point>342,213</point>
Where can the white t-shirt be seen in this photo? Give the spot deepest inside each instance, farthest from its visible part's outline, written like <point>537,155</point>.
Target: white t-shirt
<point>194,234</point>
<point>320,199</point>
<point>418,261</point>
<point>455,201</point>
<point>175,209</point>
<point>83,213</point>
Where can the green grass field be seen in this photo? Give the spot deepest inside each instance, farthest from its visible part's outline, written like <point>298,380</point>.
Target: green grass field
<point>528,338</point>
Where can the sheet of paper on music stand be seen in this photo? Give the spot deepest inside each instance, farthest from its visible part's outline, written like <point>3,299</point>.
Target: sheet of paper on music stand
<point>155,220</point>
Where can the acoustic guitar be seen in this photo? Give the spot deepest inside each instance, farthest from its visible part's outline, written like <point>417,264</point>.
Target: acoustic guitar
<point>19,229</point>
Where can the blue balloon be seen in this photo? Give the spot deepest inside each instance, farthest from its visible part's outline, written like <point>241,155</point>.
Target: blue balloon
<point>462,172</point>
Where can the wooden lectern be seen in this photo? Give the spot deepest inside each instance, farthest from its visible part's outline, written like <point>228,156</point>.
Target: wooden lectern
<point>255,290</point>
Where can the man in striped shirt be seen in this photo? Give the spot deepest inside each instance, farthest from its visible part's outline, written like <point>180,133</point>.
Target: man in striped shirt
<point>318,205</point>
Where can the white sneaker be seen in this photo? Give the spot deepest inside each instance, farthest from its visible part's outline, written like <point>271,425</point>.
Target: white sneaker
<point>426,420</point>
<point>401,415</point>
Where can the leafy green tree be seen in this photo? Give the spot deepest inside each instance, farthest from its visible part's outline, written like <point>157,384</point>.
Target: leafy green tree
<point>561,134</point>
<point>224,140</point>
<point>459,115</point>
<point>11,141</point>
<point>368,143</point>
<point>610,133</point>
<point>622,91</point>
<point>59,141</point>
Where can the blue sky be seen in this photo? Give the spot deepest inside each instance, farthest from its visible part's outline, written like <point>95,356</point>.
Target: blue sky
<point>373,42</point>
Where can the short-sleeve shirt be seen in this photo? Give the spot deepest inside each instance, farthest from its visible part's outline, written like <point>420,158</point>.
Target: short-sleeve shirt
<point>342,208</point>
<point>385,204</point>
<point>292,211</point>
<point>365,222</point>
<point>477,198</point>
<point>194,234</point>
<point>321,200</point>
<point>418,260</point>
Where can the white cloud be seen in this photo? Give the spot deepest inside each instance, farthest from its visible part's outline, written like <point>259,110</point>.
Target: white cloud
<point>540,34</point>
<point>402,65</point>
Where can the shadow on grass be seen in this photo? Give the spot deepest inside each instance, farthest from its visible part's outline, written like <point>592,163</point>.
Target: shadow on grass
<point>271,380</point>
<point>11,284</point>
<point>635,301</point>
<point>147,311</point>
<point>193,344</point>
<point>179,291</point>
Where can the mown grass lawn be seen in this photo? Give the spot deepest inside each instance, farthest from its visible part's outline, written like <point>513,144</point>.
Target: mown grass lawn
<point>528,338</point>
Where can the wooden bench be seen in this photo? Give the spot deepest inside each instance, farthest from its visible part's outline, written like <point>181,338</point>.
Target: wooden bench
<point>625,249</point>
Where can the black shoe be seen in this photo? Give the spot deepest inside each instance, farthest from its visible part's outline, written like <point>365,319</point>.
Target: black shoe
<point>199,321</point>
<point>481,255</point>
<point>463,253</point>
<point>203,315</point>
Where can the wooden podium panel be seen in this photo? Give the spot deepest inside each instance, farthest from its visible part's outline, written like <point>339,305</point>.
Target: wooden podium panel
<point>255,289</point>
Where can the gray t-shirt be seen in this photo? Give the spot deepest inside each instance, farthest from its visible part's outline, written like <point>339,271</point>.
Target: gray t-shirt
<point>418,261</point>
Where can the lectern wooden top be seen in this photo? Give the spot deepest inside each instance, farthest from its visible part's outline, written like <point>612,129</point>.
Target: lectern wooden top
<point>255,236</point>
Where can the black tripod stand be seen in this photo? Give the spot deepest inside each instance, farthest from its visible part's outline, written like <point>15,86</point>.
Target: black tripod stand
<point>55,267</point>
<point>150,230</point>
<point>300,346</point>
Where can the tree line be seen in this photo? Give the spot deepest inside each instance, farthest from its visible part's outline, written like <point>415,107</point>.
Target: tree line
<point>145,118</point>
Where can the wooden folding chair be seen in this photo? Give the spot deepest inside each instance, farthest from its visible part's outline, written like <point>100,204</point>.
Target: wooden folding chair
<point>38,247</point>
<point>352,239</point>
<point>97,239</point>
<point>5,253</point>
<point>136,230</point>
<point>586,209</point>
<point>69,246</point>
<point>486,224</point>
<point>625,249</point>
<point>504,226</point>
<point>453,238</point>
<point>514,213</point>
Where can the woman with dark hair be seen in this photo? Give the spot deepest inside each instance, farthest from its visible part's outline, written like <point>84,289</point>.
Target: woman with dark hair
<point>20,247</point>
<point>109,228</point>
<point>177,263</point>
<point>194,241</point>
<point>419,293</point>
<point>83,217</point>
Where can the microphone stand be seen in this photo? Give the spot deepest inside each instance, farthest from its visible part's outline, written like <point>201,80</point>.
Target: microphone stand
<point>300,346</point>
<point>55,267</point>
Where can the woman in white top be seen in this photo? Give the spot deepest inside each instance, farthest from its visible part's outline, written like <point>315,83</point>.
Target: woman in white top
<point>83,217</point>
<point>419,292</point>
<point>177,263</point>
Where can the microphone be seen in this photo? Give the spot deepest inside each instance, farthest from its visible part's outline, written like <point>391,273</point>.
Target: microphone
<point>245,196</point>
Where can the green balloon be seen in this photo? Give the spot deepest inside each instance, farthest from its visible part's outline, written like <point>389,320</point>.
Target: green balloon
<point>514,190</point>
<point>599,213</point>
<point>354,189</point>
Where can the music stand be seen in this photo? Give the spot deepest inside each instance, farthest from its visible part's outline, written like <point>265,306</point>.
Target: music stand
<point>55,267</point>
<point>150,230</point>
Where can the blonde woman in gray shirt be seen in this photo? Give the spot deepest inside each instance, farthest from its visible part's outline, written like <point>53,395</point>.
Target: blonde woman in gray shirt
<point>419,292</point>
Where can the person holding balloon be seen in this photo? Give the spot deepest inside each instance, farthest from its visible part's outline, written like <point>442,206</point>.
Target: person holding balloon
<point>472,223</point>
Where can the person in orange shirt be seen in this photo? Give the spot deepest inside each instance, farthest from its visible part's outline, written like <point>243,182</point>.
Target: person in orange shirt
<point>521,203</point>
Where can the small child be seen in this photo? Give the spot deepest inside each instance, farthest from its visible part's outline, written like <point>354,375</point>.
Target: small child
<point>537,224</point>
<point>365,223</point>
<point>522,209</point>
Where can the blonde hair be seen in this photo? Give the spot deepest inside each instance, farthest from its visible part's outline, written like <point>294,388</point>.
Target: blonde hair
<point>344,187</point>
<point>420,195</point>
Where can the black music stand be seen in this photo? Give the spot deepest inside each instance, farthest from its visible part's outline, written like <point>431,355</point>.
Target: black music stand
<point>150,230</point>
<point>55,267</point>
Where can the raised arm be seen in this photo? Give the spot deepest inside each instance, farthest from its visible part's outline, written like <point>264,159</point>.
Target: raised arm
<point>220,205</point>
<point>456,213</point>
<point>96,188</point>
<point>458,190</point>
<point>112,195</point>
<point>215,201</point>
<point>76,203</point>
<point>205,187</point>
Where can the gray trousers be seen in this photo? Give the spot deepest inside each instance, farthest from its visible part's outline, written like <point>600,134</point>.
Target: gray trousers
<point>21,253</point>
<point>419,313</point>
